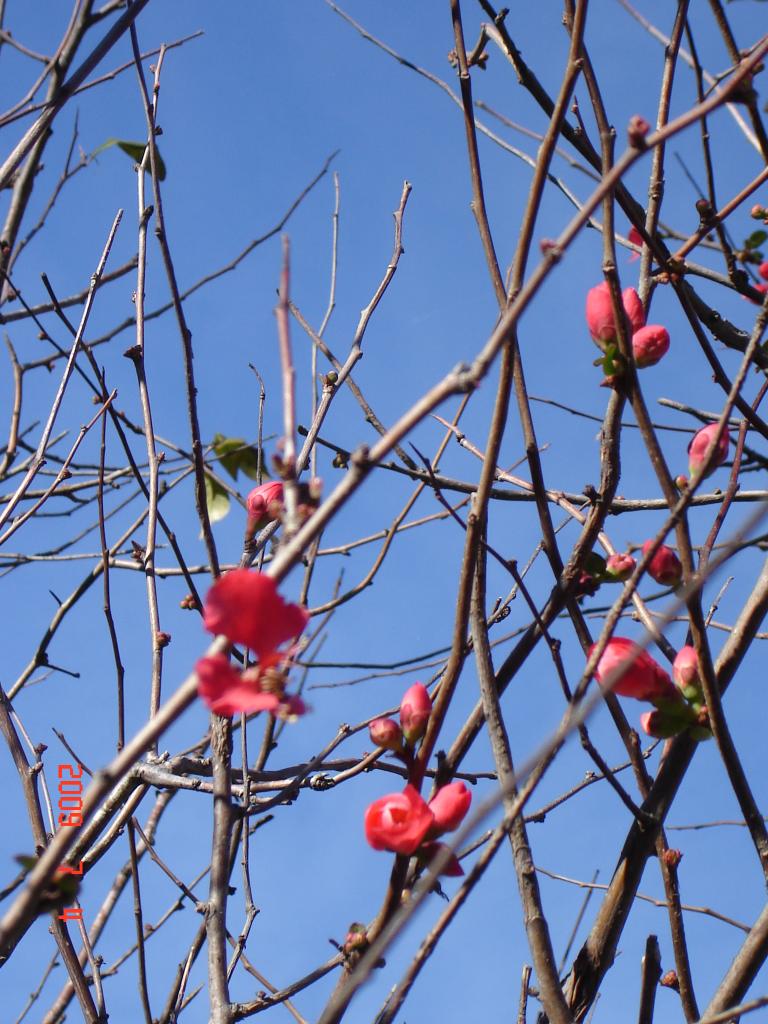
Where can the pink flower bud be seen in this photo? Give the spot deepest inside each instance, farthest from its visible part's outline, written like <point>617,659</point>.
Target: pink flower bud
<point>665,566</point>
<point>672,858</point>
<point>685,671</point>
<point>763,270</point>
<point>398,822</point>
<point>357,938</point>
<point>699,450</point>
<point>659,726</point>
<point>637,129</point>
<point>620,567</point>
<point>641,677</point>
<point>264,503</point>
<point>449,805</point>
<point>415,709</point>
<point>600,319</point>
<point>385,732</point>
<point>649,345</point>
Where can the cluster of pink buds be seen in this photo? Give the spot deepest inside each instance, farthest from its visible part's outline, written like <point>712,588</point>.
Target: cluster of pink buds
<point>650,342</point>
<point>628,671</point>
<point>415,709</point>
<point>404,822</point>
<point>615,569</point>
<point>759,212</point>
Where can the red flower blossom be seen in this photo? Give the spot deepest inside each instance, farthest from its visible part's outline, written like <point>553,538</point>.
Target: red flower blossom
<point>228,692</point>
<point>642,678</point>
<point>665,566</point>
<point>415,709</point>
<point>246,608</point>
<point>698,449</point>
<point>449,805</point>
<point>600,320</point>
<point>398,822</point>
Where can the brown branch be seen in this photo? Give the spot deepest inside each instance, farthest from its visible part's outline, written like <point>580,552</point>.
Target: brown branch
<point>539,940</point>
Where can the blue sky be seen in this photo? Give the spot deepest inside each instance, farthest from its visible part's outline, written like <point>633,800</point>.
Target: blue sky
<point>250,112</point>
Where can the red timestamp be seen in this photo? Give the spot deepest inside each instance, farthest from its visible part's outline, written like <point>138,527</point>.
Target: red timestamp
<point>70,795</point>
<point>70,816</point>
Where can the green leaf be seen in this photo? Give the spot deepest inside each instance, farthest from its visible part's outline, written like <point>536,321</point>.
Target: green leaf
<point>594,564</point>
<point>236,456</point>
<point>135,150</point>
<point>216,498</point>
<point>756,239</point>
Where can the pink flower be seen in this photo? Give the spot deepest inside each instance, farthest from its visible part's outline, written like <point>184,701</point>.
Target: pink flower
<point>415,709</point>
<point>620,567</point>
<point>398,822</point>
<point>642,678</point>
<point>246,608</point>
<point>264,503</point>
<point>449,805</point>
<point>649,345</point>
<point>385,732</point>
<point>699,448</point>
<point>228,692</point>
<point>600,319</point>
<point>665,566</point>
<point>685,670</point>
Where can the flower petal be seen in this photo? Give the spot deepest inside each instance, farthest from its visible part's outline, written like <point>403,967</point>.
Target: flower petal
<point>398,822</point>
<point>226,692</point>
<point>245,607</point>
